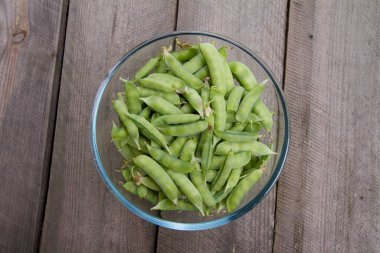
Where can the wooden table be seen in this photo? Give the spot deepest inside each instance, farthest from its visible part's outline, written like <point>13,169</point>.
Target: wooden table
<point>53,56</point>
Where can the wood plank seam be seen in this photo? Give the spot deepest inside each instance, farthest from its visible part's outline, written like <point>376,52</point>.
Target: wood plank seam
<point>53,115</point>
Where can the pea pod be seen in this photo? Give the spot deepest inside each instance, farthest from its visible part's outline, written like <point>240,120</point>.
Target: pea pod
<point>224,173</point>
<point>175,119</point>
<point>240,159</point>
<point>187,108</point>
<point>202,73</point>
<point>173,81</point>
<point>149,183</point>
<point>166,205</point>
<point>151,132</point>
<point>188,189</point>
<point>253,127</point>
<point>215,66</point>
<point>131,97</point>
<point>194,100</point>
<point>232,181</point>
<point>241,189</point>
<point>160,105</point>
<point>121,109</point>
<point>218,105</point>
<point>142,191</point>
<point>185,54</point>
<point>249,100</point>
<point>207,153</point>
<point>161,67</point>
<point>195,63</point>
<point>130,187</point>
<point>177,145</point>
<point>169,161</point>
<point>148,67</point>
<point>200,184</point>
<point>228,75</point>
<point>243,75</point>
<point>145,113</point>
<point>185,129</point>
<point>238,127</point>
<point>188,150</point>
<point>125,150</point>
<point>235,98</point>
<point>171,97</point>
<point>211,175</point>
<point>177,68</point>
<point>159,175</point>
<point>256,148</point>
<point>262,110</point>
<point>237,136</point>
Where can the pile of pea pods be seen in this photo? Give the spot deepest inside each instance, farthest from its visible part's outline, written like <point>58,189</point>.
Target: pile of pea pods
<point>188,134</point>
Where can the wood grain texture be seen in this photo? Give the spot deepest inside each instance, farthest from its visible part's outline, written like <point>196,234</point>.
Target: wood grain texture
<point>260,26</point>
<point>81,214</point>
<point>30,36</point>
<point>328,198</point>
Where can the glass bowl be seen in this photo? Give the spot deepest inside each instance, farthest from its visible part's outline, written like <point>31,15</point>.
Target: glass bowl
<point>108,159</point>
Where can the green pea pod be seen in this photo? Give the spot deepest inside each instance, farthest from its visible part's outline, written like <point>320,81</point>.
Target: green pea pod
<point>152,197</point>
<point>207,153</point>
<point>232,181</point>
<point>121,109</point>
<point>130,187</point>
<point>253,127</point>
<point>175,119</point>
<point>238,127</point>
<point>171,97</point>
<point>178,84</point>
<point>187,108</point>
<point>202,73</point>
<point>215,66</point>
<point>200,184</point>
<point>132,97</point>
<point>229,78</point>
<point>262,110</point>
<point>238,136</point>
<point>188,189</point>
<point>142,191</point>
<point>188,150</point>
<point>161,67</point>
<point>241,189</point>
<point>162,85</point>
<point>149,66</point>
<point>145,113</point>
<point>185,54</point>
<point>185,129</point>
<point>243,74</point>
<point>177,145</point>
<point>151,132</point>
<point>249,100</point>
<point>149,183</point>
<point>194,100</point>
<point>169,161</point>
<point>224,173</point>
<point>218,105</point>
<point>235,98</point>
<point>161,105</point>
<point>211,175</point>
<point>124,150</point>
<point>159,175</point>
<point>256,148</point>
<point>126,174</point>
<point>177,68</point>
<point>166,205</point>
<point>240,159</point>
<point>195,63</point>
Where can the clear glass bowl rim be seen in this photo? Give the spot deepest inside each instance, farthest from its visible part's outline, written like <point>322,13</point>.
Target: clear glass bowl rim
<point>200,225</point>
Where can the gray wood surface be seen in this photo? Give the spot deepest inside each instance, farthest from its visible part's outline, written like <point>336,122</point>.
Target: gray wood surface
<point>328,197</point>
<point>30,47</point>
<point>261,27</point>
<point>81,214</point>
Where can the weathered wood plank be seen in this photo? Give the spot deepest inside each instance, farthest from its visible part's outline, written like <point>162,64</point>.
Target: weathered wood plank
<point>30,38</point>
<point>328,197</point>
<point>260,26</point>
<point>81,214</point>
